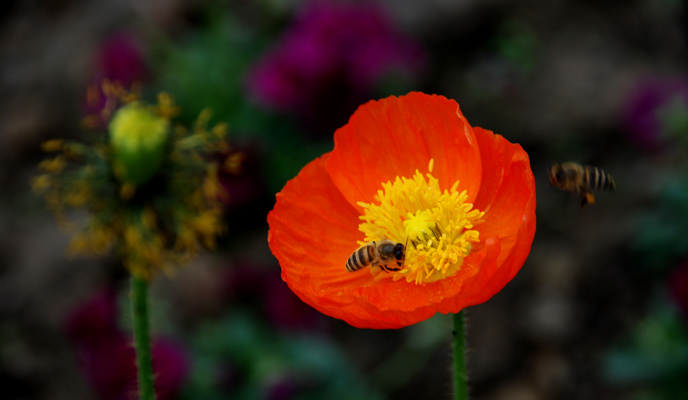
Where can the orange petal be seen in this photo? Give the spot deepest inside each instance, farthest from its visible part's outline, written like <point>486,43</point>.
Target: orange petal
<point>515,257</point>
<point>507,196</point>
<point>509,186</point>
<point>313,230</point>
<point>397,136</point>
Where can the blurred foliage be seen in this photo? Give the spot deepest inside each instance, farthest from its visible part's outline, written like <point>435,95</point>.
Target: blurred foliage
<point>674,119</point>
<point>662,240</point>
<point>517,42</point>
<point>656,353</point>
<point>209,68</point>
<point>242,357</point>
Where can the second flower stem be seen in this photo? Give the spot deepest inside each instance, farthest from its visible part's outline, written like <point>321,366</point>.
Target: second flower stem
<point>142,342</point>
<point>460,376</point>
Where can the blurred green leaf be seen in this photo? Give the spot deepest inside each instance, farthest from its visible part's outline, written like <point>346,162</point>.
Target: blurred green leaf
<point>313,365</point>
<point>208,70</point>
<point>656,354</point>
<point>517,42</point>
<point>662,239</point>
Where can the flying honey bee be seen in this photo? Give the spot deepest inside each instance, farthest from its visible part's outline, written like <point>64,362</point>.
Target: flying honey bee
<point>573,177</point>
<point>379,253</point>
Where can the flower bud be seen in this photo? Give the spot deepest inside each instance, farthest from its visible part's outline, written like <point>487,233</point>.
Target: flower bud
<point>138,137</point>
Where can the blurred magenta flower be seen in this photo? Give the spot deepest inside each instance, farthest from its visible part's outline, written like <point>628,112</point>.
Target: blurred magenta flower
<point>281,389</point>
<point>121,59</point>
<point>285,309</point>
<point>94,321</point>
<point>329,61</point>
<point>106,355</point>
<point>654,108</point>
<point>171,368</point>
<point>678,287</point>
<point>247,282</point>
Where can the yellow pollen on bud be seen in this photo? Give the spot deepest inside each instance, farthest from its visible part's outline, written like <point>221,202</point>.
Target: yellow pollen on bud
<point>135,128</point>
<point>436,226</point>
<point>138,138</point>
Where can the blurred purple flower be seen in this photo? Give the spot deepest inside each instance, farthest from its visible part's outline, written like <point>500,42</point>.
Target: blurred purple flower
<point>281,389</point>
<point>678,287</point>
<point>247,282</point>
<point>120,58</point>
<point>287,310</point>
<point>648,106</point>
<point>329,60</point>
<point>106,355</point>
<point>94,321</point>
<point>171,367</point>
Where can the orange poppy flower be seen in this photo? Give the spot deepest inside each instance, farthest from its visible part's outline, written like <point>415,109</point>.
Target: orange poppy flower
<point>412,170</point>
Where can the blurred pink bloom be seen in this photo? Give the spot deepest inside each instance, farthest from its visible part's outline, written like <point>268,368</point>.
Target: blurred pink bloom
<point>106,355</point>
<point>171,368</point>
<point>286,310</point>
<point>646,107</point>
<point>281,389</point>
<point>95,320</point>
<point>247,282</point>
<point>678,287</point>
<point>120,58</point>
<point>332,56</point>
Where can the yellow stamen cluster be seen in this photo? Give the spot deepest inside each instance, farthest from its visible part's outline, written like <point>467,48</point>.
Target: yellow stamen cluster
<point>436,226</point>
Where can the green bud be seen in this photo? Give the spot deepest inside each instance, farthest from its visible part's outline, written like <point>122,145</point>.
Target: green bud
<point>138,137</point>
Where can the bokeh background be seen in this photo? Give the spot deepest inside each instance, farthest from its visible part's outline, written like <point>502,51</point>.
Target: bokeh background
<point>599,310</point>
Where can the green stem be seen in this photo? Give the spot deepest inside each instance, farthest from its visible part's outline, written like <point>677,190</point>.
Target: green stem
<point>142,342</point>
<point>460,376</point>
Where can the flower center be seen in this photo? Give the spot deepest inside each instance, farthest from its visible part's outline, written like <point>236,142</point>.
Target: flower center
<point>436,226</point>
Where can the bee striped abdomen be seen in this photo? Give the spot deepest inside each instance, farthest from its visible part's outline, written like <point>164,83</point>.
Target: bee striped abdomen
<point>360,258</point>
<point>599,179</point>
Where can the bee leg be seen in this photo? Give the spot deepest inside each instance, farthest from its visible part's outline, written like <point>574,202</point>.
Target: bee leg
<point>388,269</point>
<point>587,198</point>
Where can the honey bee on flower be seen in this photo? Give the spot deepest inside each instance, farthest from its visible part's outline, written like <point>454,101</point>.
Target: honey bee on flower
<point>377,254</point>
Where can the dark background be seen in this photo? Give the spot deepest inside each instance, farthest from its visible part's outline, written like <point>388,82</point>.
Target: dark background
<point>599,310</point>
